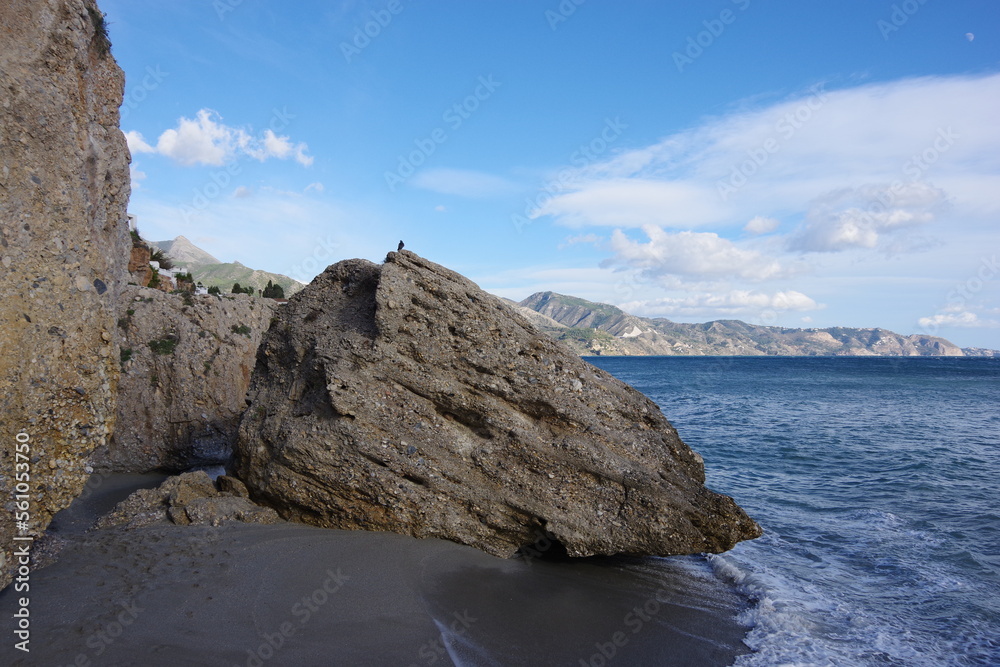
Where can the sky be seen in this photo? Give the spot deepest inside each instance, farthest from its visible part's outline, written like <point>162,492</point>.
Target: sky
<point>788,163</point>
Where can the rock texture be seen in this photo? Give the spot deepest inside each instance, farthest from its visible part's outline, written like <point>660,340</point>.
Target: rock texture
<point>139,270</point>
<point>191,499</point>
<point>186,365</point>
<point>401,397</point>
<point>64,247</point>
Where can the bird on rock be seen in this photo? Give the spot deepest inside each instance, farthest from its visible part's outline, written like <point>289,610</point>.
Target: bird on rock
<point>400,246</point>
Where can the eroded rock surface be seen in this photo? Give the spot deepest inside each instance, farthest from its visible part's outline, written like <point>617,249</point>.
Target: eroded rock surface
<point>191,499</point>
<point>64,249</point>
<point>186,365</point>
<point>402,397</point>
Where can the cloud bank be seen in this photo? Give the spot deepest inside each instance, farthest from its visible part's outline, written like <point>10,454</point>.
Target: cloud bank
<point>206,140</point>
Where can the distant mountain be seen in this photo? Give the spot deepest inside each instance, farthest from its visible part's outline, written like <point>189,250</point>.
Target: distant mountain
<point>602,329</point>
<point>184,253</point>
<point>211,272</point>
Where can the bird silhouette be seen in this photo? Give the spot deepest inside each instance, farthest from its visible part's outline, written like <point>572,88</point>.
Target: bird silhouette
<point>400,246</point>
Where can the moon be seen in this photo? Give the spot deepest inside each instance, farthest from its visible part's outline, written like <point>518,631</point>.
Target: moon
<point>969,36</point>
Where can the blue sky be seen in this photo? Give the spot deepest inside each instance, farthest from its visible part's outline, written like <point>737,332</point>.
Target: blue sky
<point>790,163</point>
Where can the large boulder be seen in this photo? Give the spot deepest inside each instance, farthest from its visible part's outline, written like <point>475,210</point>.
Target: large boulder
<point>403,398</point>
<point>186,364</point>
<point>64,248</point>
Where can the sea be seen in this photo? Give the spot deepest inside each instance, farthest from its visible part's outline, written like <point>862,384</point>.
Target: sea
<point>877,483</point>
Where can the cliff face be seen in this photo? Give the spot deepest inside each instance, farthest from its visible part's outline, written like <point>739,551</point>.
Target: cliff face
<point>64,187</point>
<point>186,363</point>
<point>402,397</point>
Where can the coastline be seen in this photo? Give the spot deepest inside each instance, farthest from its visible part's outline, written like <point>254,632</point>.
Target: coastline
<point>293,594</point>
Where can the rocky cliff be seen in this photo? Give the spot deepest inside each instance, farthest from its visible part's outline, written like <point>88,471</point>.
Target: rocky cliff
<point>186,362</point>
<point>598,328</point>
<point>402,397</point>
<point>64,186</point>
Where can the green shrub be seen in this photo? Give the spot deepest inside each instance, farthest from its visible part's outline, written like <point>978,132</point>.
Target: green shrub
<point>102,42</point>
<point>165,345</point>
<point>159,256</point>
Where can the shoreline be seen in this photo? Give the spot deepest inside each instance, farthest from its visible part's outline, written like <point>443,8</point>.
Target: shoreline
<point>292,594</point>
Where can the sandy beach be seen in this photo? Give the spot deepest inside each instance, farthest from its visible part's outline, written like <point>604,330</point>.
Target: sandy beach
<point>290,594</point>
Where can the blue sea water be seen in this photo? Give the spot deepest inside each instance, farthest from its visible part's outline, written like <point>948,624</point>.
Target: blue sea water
<point>877,483</point>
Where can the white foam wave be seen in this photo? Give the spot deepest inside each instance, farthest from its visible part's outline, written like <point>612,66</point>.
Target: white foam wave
<point>794,620</point>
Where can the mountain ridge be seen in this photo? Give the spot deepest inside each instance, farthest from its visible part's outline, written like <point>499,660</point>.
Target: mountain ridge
<point>591,328</point>
<point>213,272</point>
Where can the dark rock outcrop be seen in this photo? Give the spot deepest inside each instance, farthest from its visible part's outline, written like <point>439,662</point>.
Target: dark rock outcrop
<point>186,363</point>
<point>64,248</point>
<point>191,499</point>
<point>402,397</point>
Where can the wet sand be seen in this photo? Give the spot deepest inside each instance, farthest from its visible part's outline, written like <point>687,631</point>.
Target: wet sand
<point>294,595</point>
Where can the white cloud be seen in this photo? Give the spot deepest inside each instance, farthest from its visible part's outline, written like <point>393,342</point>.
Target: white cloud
<point>137,144</point>
<point>692,255</point>
<point>776,160</point>
<point>315,187</point>
<point>867,217</point>
<point>735,303</point>
<point>275,146</point>
<point>243,192</point>
<point>201,141</point>
<point>963,319</point>
<point>206,140</point>
<point>635,202</point>
<point>593,239</point>
<point>463,182</point>
<point>136,175</point>
<point>761,225</point>
<point>301,157</point>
